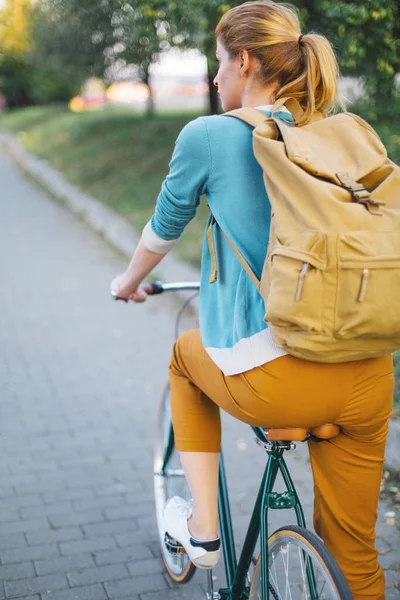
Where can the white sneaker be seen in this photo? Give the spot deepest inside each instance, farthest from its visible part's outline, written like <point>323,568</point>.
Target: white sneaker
<point>204,554</point>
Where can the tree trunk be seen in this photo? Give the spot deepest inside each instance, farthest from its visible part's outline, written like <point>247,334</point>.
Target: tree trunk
<point>150,99</point>
<point>212,95</point>
<point>212,90</point>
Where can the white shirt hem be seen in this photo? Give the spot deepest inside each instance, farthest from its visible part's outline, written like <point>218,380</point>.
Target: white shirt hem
<point>246,354</point>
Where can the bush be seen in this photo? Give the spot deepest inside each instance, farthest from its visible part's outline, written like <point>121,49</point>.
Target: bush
<point>367,109</point>
<point>14,80</point>
<point>48,85</point>
<point>24,82</point>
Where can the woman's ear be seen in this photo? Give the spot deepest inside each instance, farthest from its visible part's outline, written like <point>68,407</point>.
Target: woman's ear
<point>244,62</point>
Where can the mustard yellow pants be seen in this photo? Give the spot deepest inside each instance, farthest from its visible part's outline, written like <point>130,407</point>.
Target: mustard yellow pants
<point>289,392</point>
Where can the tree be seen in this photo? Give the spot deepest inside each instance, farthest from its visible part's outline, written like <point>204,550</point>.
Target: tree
<point>142,31</point>
<point>15,27</point>
<point>367,38</point>
<point>75,36</point>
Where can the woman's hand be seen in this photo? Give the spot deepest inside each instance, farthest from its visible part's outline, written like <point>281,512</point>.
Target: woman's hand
<point>123,289</point>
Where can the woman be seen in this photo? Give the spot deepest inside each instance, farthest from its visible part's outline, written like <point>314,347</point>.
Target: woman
<point>232,362</point>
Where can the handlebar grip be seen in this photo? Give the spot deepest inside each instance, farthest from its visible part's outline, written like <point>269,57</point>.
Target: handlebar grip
<point>152,289</point>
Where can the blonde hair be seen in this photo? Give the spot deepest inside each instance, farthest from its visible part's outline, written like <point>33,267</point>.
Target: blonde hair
<point>306,70</point>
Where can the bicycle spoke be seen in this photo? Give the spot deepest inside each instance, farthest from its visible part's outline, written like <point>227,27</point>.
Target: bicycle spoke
<point>300,567</point>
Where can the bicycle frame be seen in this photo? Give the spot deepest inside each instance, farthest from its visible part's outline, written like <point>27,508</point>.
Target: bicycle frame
<point>236,572</point>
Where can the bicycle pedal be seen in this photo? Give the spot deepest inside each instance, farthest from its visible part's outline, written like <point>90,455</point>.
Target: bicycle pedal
<point>172,545</point>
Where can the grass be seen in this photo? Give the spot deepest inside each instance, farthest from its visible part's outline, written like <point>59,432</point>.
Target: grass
<point>121,158</point>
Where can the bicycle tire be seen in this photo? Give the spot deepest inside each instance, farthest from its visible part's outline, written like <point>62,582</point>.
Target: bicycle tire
<point>307,544</point>
<point>178,566</point>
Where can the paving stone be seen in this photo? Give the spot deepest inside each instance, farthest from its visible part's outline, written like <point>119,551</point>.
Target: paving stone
<point>146,566</point>
<point>29,553</point>
<point>87,592</point>
<point>97,575</point>
<point>195,593</point>
<point>23,526</point>
<point>64,564</point>
<point>109,528</point>
<point>23,587</point>
<point>66,519</point>
<point>12,540</point>
<point>16,571</point>
<point>129,553</point>
<point>92,545</point>
<point>54,535</point>
<point>137,585</point>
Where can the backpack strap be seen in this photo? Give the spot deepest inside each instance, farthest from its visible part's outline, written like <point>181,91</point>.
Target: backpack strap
<point>291,104</point>
<point>242,260</point>
<point>252,116</point>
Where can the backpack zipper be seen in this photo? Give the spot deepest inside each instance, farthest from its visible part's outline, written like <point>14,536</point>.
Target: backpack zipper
<point>364,285</point>
<point>300,282</point>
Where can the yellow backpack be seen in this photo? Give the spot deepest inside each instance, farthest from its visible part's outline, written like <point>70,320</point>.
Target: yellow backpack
<point>331,277</point>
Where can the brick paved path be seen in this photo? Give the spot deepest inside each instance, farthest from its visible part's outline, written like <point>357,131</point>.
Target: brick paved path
<point>80,379</point>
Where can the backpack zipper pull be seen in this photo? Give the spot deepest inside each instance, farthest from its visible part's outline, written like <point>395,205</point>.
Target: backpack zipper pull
<point>300,283</point>
<point>364,285</point>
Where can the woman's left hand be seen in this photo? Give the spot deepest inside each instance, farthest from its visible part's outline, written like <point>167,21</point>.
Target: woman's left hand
<point>123,289</point>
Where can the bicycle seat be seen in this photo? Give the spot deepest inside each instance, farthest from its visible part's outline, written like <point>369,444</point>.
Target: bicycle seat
<point>300,434</point>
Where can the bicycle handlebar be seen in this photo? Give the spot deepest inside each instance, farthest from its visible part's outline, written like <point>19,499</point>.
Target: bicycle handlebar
<point>152,289</point>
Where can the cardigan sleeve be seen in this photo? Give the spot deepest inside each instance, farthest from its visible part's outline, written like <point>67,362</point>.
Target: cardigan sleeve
<point>189,171</point>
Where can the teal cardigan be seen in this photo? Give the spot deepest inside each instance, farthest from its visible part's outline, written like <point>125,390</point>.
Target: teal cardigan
<point>214,156</point>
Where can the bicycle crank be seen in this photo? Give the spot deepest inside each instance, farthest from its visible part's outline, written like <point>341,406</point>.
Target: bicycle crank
<point>211,595</point>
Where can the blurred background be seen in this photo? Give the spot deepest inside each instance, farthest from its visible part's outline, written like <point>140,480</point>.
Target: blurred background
<point>101,88</point>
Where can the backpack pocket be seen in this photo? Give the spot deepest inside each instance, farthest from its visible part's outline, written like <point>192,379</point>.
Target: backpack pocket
<point>295,267</point>
<point>368,290</point>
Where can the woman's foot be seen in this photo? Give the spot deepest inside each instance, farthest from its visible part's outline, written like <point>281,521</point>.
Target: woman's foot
<point>204,554</point>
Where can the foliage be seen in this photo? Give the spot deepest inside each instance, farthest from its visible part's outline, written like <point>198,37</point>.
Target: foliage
<point>141,32</point>
<point>69,40</point>
<point>74,36</point>
<point>15,27</point>
<point>14,80</point>
<point>367,38</point>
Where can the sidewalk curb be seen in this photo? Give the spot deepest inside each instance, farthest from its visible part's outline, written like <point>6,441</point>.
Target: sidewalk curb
<point>105,221</point>
<point>116,231</point>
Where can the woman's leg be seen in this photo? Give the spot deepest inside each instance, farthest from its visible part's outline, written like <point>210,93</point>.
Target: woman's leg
<point>197,426</point>
<point>347,474</point>
<point>201,469</point>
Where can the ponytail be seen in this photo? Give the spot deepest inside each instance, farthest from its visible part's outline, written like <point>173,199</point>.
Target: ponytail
<point>303,67</point>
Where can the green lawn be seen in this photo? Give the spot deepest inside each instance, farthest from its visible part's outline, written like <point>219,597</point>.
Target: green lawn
<point>122,158</point>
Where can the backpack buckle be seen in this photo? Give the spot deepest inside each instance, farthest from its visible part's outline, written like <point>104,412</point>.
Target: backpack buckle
<point>359,193</point>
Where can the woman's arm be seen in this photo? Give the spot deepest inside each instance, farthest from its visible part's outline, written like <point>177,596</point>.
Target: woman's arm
<point>143,261</point>
<point>176,206</point>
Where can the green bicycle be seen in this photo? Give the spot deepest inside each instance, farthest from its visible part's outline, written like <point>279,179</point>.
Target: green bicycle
<point>293,562</point>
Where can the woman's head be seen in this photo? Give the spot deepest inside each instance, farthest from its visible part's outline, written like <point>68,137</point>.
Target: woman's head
<point>258,47</point>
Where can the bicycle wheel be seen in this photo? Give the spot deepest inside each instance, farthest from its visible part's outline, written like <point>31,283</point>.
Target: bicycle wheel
<point>300,567</point>
<point>171,483</point>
